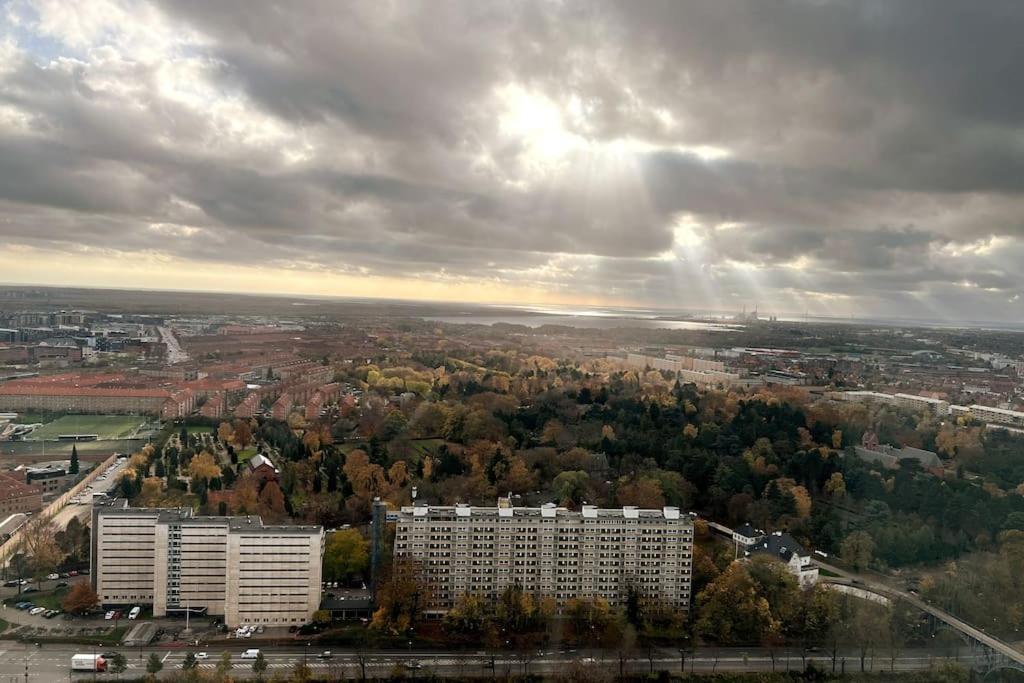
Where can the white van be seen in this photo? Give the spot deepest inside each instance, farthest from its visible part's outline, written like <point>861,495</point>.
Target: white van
<point>134,614</point>
<point>251,654</point>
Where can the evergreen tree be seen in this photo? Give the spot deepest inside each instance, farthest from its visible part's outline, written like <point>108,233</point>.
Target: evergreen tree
<point>73,468</point>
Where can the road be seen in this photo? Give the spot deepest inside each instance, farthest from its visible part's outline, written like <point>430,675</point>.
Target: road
<point>175,354</point>
<point>52,663</point>
<point>876,586</point>
<point>84,509</point>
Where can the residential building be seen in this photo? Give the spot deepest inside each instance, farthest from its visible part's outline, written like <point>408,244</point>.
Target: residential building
<point>781,546</point>
<point>550,551</point>
<point>688,370</point>
<point>988,414</point>
<point>934,406</point>
<point>235,567</point>
<point>50,479</point>
<point>17,496</point>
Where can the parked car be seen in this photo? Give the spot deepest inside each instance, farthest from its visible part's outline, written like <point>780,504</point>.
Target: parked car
<point>31,589</point>
<point>52,577</point>
<point>11,584</point>
<point>36,610</point>
<point>134,614</point>
<point>61,584</point>
<point>110,615</point>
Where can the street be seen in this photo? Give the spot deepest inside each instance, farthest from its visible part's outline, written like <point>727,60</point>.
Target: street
<point>52,662</point>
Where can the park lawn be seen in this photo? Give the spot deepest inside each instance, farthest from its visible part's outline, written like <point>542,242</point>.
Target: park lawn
<point>246,453</point>
<point>48,599</point>
<point>199,429</point>
<point>104,426</point>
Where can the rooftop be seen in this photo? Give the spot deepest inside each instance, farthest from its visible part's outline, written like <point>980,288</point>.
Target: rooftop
<point>550,511</point>
<point>186,517</point>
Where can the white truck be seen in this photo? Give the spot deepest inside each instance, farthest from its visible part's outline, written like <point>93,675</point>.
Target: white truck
<point>88,663</point>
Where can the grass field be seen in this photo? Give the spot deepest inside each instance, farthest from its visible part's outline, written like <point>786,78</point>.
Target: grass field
<point>13,450</point>
<point>245,454</point>
<point>106,426</point>
<point>199,429</point>
<point>48,599</point>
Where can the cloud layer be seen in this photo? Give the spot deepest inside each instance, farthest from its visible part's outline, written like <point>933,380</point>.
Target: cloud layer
<point>855,157</point>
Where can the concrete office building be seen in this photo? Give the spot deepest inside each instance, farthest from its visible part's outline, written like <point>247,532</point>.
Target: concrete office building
<point>550,551</point>
<point>235,567</point>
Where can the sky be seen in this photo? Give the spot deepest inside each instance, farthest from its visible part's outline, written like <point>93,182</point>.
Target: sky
<point>836,158</point>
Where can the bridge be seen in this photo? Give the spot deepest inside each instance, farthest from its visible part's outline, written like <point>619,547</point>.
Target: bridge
<point>997,654</point>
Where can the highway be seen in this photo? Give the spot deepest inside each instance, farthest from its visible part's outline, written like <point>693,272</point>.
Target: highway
<point>52,663</point>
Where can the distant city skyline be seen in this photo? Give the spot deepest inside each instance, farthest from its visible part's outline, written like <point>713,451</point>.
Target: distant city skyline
<point>844,158</point>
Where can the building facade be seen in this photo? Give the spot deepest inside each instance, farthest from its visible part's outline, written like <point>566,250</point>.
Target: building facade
<point>550,551</point>
<point>17,496</point>
<point>235,567</point>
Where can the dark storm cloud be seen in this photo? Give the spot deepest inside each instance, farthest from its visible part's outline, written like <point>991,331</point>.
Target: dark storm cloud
<point>842,149</point>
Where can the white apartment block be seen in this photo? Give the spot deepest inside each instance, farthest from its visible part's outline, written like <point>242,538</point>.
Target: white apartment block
<point>550,551</point>
<point>689,370</point>
<point>934,406</point>
<point>990,415</point>
<point>235,567</point>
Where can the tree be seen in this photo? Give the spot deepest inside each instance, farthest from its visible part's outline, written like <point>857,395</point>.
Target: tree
<point>204,467</point>
<point>346,556</point>
<point>225,433</point>
<point>224,665</point>
<point>190,661</point>
<point>836,485</point>
<point>245,498</point>
<point>469,616</point>
<point>731,610</point>
<point>858,549</point>
<point>118,664</point>
<point>571,487</point>
<point>80,599</point>
<point>242,432</point>
<point>643,493</point>
<point>154,666</point>
<point>271,500</point>
<point>802,501</point>
<point>259,665</point>
<point>73,467</point>
<point>394,423</point>
<point>401,598</point>
<point>38,543</point>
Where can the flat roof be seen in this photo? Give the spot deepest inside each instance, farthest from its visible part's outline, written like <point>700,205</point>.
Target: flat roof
<point>186,516</point>
<point>548,511</point>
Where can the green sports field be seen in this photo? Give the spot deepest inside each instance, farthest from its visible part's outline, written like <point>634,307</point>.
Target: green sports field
<point>105,426</point>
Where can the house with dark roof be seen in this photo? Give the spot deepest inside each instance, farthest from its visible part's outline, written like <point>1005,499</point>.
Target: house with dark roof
<point>781,546</point>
